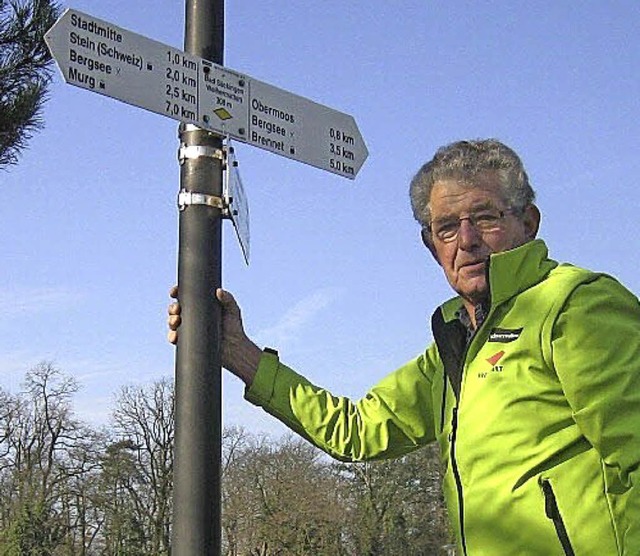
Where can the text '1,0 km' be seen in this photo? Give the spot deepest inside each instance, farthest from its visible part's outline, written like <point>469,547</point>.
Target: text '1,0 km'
<point>99,56</point>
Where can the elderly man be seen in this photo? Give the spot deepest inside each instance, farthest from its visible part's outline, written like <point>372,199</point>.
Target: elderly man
<point>531,387</point>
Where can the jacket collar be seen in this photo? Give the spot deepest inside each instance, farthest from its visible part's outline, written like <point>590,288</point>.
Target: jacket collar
<point>510,272</point>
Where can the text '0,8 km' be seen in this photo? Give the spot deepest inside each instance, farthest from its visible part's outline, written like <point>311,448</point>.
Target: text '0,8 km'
<point>101,57</point>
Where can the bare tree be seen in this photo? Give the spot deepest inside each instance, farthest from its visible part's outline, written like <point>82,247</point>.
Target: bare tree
<point>396,506</point>
<point>46,458</point>
<point>119,486</point>
<point>280,498</point>
<point>144,423</point>
<point>24,72</point>
<point>10,411</point>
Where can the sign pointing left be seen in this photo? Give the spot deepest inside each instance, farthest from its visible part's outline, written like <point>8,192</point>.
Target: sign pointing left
<point>99,56</point>
<point>103,58</point>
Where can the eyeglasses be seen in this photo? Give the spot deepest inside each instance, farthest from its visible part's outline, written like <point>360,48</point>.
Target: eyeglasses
<point>485,221</point>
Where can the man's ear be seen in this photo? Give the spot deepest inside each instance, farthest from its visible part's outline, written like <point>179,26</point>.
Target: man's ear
<point>428,243</point>
<point>531,219</point>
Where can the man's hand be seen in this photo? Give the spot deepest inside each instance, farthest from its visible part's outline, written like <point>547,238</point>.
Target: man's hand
<point>174,321</point>
<point>239,354</point>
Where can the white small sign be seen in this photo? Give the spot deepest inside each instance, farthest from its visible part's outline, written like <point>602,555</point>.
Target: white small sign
<point>236,200</point>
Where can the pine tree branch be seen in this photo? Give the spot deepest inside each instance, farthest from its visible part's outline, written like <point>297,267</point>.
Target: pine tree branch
<point>25,72</point>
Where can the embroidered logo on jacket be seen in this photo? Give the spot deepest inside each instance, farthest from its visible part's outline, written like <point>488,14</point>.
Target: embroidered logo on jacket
<point>493,361</point>
<point>504,335</point>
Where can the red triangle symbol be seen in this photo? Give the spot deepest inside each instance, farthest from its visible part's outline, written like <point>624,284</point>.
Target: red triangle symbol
<point>495,358</point>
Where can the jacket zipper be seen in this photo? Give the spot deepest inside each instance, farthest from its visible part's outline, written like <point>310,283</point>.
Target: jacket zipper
<point>454,433</point>
<point>456,476</point>
<point>454,463</point>
<point>553,513</point>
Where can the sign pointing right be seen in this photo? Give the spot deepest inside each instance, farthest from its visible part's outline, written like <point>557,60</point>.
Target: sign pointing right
<point>301,129</point>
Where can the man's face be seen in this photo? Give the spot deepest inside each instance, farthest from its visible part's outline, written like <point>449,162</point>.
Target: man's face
<point>465,258</point>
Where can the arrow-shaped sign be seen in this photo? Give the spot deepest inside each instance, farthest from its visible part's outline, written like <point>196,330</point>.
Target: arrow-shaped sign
<point>99,56</point>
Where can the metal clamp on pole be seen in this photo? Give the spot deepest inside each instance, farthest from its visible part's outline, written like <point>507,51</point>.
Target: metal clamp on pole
<point>187,198</point>
<point>198,151</point>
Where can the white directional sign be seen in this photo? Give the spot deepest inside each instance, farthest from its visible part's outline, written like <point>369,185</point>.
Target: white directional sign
<point>99,56</point>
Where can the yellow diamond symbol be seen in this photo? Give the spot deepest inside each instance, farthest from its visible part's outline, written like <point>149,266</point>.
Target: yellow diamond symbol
<point>222,113</point>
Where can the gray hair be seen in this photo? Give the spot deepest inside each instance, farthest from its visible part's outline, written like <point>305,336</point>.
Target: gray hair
<point>464,160</point>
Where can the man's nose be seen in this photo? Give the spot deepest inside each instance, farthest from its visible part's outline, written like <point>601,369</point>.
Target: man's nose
<point>468,235</point>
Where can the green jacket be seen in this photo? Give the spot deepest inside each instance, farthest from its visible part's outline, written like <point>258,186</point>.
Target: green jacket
<point>537,418</point>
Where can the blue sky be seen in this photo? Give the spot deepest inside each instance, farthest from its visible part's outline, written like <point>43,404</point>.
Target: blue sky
<point>338,281</point>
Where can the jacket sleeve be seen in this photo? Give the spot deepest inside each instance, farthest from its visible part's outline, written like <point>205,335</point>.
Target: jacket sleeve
<point>596,353</point>
<point>394,418</point>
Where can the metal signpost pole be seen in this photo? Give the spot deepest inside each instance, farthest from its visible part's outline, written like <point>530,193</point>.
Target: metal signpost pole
<point>196,499</point>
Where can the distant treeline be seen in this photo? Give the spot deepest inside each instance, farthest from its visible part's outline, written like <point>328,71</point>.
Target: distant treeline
<point>69,489</point>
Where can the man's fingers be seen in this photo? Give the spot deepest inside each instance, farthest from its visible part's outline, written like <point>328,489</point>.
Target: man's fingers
<point>174,318</point>
<point>174,321</point>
